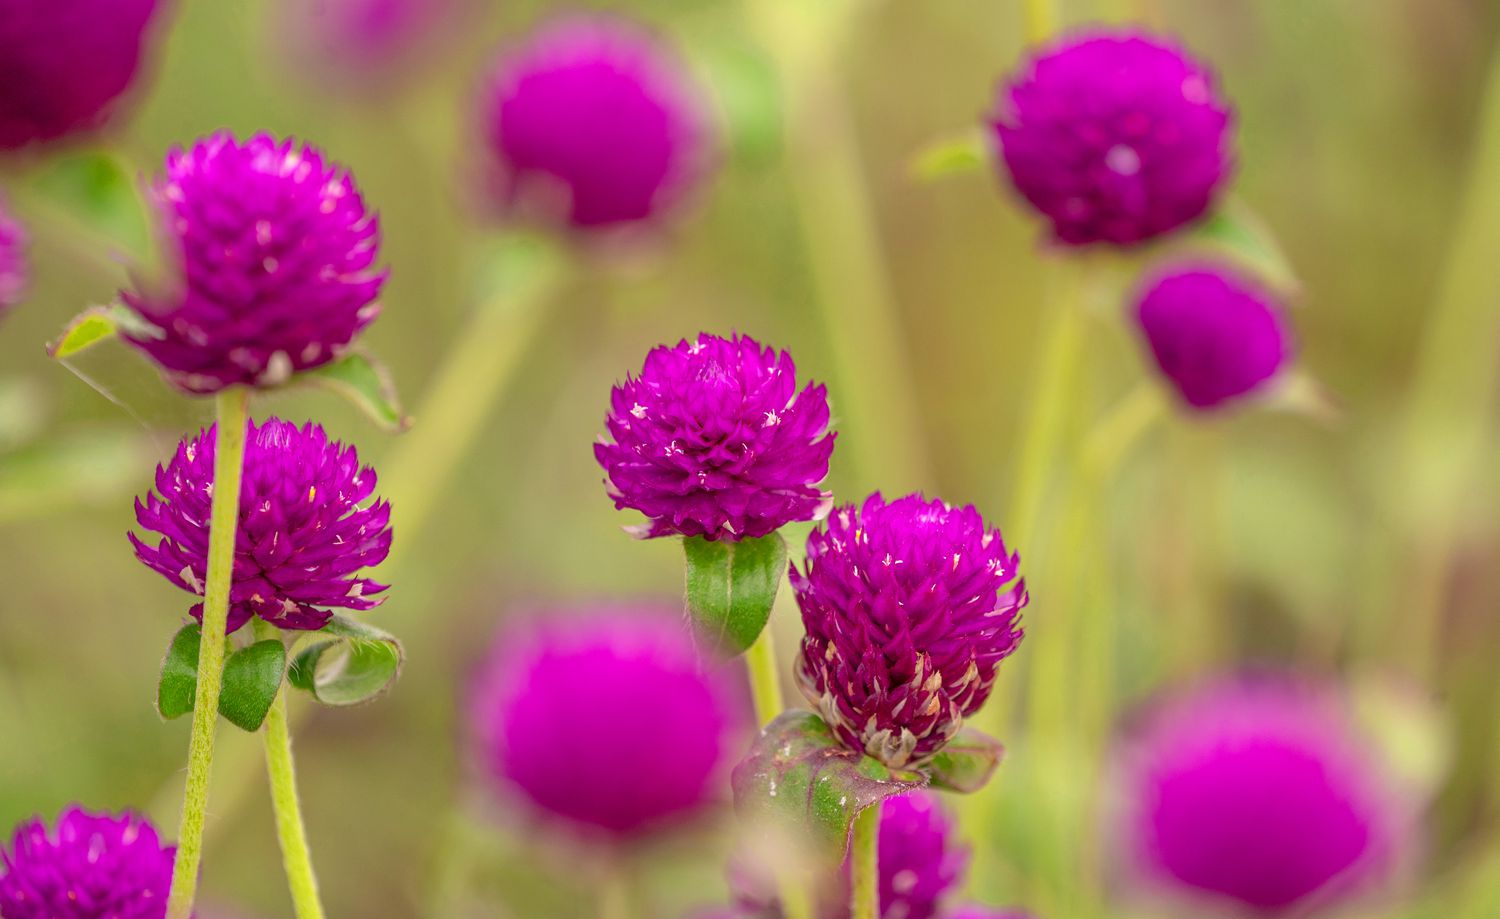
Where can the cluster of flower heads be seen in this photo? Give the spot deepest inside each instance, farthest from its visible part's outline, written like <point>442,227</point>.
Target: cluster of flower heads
<point>276,252</point>
<point>305,528</point>
<point>90,866</point>
<point>12,262</point>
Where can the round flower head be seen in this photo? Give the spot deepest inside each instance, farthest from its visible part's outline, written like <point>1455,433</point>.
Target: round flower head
<point>1214,335</point>
<point>1115,137</point>
<point>713,439</point>
<point>593,123</point>
<point>908,618</point>
<point>12,262</point>
<point>63,64</point>
<point>277,255</point>
<point>304,528</point>
<point>94,866</point>
<point>1260,794</point>
<point>603,723</point>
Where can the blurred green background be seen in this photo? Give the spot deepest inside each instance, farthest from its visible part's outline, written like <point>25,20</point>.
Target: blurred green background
<point>1265,535</point>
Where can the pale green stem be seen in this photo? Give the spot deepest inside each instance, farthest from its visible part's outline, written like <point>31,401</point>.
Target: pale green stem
<point>290,831</point>
<point>614,892</point>
<point>765,681</point>
<point>1041,20</point>
<point>864,865</point>
<point>229,458</point>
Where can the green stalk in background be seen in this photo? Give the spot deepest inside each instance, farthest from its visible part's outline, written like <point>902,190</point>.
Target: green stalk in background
<point>765,680</point>
<point>229,460</point>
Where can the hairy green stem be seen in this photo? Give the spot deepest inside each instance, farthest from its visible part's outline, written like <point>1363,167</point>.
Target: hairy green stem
<point>229,459</point>
<point>864,865</point>
<point>296,858</point>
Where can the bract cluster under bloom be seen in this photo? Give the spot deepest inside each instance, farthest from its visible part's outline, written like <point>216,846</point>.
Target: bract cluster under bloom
<point>1260,793</point>
<point>1114,136</point>
<point>12,262</point>
<point>908,616</point>
<point>592,122</point>
<point>305,530</point>
<point>1215,335</point>
<point>713,439</point>
<point>93,866</point>
<point>277,254</point>
<point>603,722</point>
<point>64,63</point>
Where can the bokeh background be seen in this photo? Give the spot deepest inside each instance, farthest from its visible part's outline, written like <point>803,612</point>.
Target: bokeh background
<point>1357,541</point>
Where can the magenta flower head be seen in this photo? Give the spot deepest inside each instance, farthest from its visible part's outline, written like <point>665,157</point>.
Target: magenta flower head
<point>603,723</point>
<point>1114,136</point>
<point>94,866</point>
<point>1215,335</point>
<point>64,64</point>
<point>305,529</point>
<point>592,122</point>
<point>1259,794</point>
<point>277,254</point>
<point>714,439</point>
<point>908,617</point>
<point>12,262</point>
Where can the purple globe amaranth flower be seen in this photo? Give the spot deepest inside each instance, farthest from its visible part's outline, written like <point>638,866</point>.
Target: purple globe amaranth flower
<point>603,722</point>
<point>94,866</point>
<point>12,262</point>
<point>277,255</point>
<point>1259,793</point>
<point>304,528</point>
<point>64,64</point>
<point>1215,336</point>
<point>713,439</point>
<point>1115,136</point>
<point>908,617</point>
<point>592,122</point>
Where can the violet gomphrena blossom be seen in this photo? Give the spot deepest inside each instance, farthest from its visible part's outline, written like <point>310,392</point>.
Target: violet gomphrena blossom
<point>1259,793</point>
<point>603,722</point>
<point>277,255</point>
<point>593,122</point>
<point>12,262</point>
<point>714,439</point>
<point>305,529</point>
<point>65,63</point>
<point>908,617</point>
<point>1114,136</point>
<point>1215,335</point>
<point>92,866</point>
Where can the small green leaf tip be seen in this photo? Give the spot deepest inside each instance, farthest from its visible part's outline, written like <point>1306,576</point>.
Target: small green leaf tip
<point>951,156</point>
<point>731,587</point>
<point>179,673</point>
<point>94,325</point>
<point>347,663</point>
<point>367,384</point>
<point>966,764</point>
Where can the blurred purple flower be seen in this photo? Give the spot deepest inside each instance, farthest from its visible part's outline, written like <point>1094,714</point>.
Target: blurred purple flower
<point>303,534</point>
<point>713,439</point>
<point>277,254</point>
<point>367,41</point>
<point>1115,136</point>
<point>12,262</point>
<point>64,63</point>
<point>603,722</point>
<point>1215,335</point>
<point>593,122</point>
<point>1261,793</point>
<point>95,866</point>
<point>908,618</point>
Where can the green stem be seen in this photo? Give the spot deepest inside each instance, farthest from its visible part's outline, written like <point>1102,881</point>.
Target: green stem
<point>614,892</point>
<point>290,831</point>
<point>864,865</point>
<point>229,458</point>
<point>1041,20</point>
<point>765,681</point>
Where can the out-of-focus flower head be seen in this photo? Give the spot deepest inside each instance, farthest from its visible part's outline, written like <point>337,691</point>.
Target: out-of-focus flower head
<point>1215,335</point>
<point>305,529</point>
<point>603,722</point>
<point>593,122</point>
<point>369,42</point>
<point>909,608</point>
<point>65,63</point>
<point>714,439</point>
<point>276,251</point>
<point>93,866</point>
<point>1115,136</point>
<point>1260,793</point>
<point>12,262</point>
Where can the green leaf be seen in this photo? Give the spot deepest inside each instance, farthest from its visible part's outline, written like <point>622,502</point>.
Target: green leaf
<point>951,156</point>
<point>252,677</point>
<point>179,673</point>
<point>799,780</point>
<point>347,663</point>
<point>97,192</point>
<point>731,587</point>
<point>966,763</point>
<point>96,324</point>
<point>1237,233</point>
<point>366,383</point>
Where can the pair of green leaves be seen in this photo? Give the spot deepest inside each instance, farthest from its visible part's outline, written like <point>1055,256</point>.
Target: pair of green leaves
<point>345,663</point>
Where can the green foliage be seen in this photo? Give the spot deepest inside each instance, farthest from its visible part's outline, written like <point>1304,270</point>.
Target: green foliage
<point>731,587</point>
<point>252,677</point>
<point>179,673</point>
<point>347,663</point>
<point>966,764</point>
<point>367,384</point>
